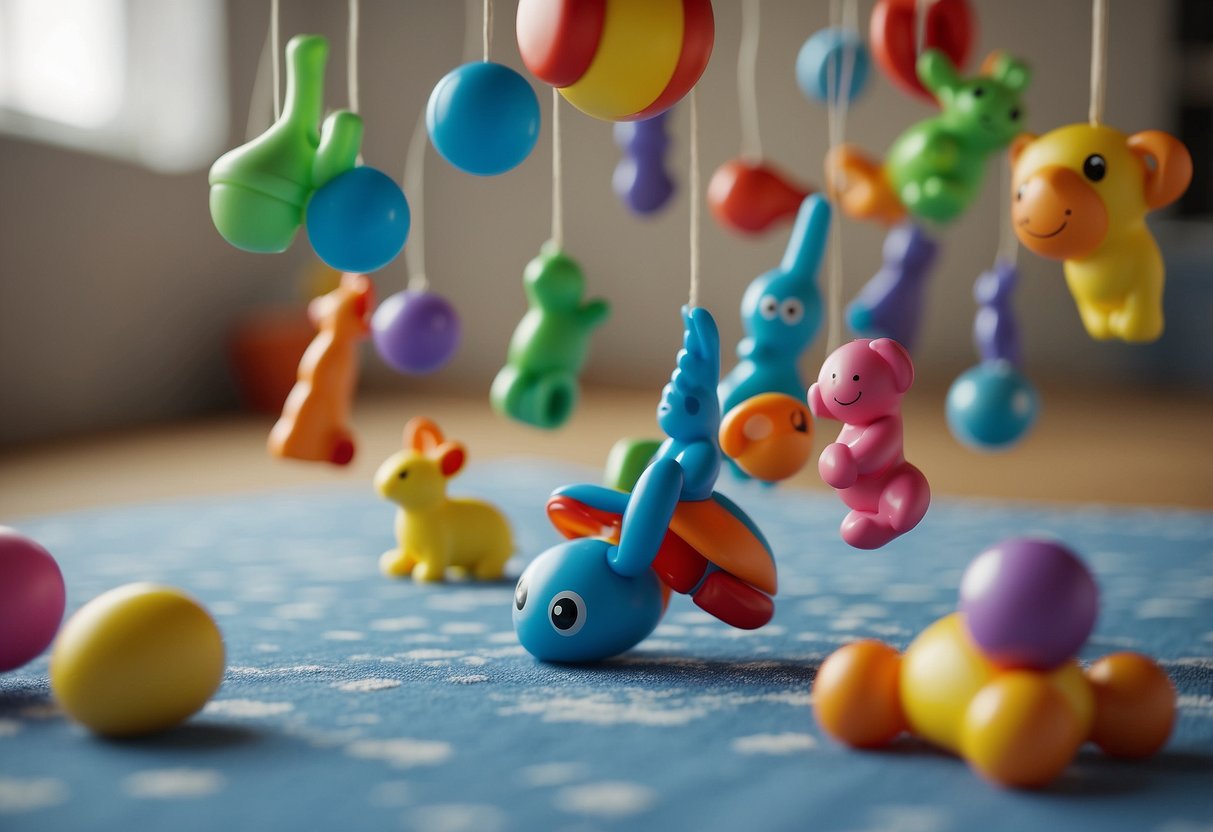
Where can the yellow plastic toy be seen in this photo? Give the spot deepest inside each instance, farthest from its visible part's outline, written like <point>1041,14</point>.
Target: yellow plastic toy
<point>769,436</point>
<point>1081,195</point>
<point>435,532</point>
<point>137,659</point>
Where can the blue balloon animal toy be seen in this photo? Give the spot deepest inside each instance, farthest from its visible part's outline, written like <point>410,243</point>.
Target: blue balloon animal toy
<point>604,590</point>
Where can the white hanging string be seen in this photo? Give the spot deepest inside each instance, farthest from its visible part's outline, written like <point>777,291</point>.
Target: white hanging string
<point>1099,59</point>
<point>414,184</point>
<point>838,83</point>
<point>352,57</point>
<point>1008,243</point>
<point>488,28</point>
<point>747,81</point>
<point>277,60</point>
<point>695,196</point>
<point>557,175</point>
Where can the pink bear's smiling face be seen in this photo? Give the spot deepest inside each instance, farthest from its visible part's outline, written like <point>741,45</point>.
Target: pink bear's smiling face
<point>858,385</point>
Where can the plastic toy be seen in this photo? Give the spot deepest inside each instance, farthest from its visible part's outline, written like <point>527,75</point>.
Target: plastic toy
<point>435,532</point>
<point>483,118</point>
<point>750,197</point>
<point>1018,716</point>
<point>538,384</point>
<point>823,60</point>
<point>314,424</point>
<point>627,460</point>
<point>890,304</point>
<point>991,406</point>
<point>641,180</point>
<point>995,331</point>
<point>137,659</point>
<point>861,385</point>
<point>768,436</point>
<point>893,32</point>
<point>31,599</point>
<point>934,169</point>
<point>358,221</point>
<point>617,60</point>
<point>415,331</point>
<point>259,190</point>
<point>1081,196</point>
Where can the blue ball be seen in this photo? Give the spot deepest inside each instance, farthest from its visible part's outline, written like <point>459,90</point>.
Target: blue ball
<point>822,59</point>
<point>358,222</point>
<point>483,118</point>
<point>991,406</point>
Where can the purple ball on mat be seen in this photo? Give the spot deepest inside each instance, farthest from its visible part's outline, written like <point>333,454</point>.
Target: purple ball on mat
<point>1029,603</point>
<point>415,332</point>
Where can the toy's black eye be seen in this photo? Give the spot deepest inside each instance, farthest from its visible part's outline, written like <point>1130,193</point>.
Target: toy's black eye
<point>833,375</point>
<point>855,378</point>
<point>520,592</point>
<point>403,475</point>
<point>1094,167</point>
<point>567,613</point>
<point>768,307</point>
<point>692,405</point>
<point>791,310</point>
<point>1014,114</point>
<point>978,92</point>
<point>799,422</point>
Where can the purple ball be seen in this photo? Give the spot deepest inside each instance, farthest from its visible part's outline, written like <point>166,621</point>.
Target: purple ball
<point>415,332</point>
<point>1029,603</point>
<point>31,599</point>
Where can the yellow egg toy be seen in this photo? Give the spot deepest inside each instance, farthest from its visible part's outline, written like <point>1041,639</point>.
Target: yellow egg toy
<point>137,659</point>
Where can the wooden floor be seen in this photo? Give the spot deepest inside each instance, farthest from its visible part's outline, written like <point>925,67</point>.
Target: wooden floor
<point>1104,447</point>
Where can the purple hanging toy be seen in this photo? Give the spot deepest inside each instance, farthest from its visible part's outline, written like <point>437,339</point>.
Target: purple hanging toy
<point>890,305</point>
<point>641,179</point>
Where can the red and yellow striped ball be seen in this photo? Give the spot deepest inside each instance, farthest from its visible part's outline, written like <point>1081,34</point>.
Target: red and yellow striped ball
<point>617,60</point>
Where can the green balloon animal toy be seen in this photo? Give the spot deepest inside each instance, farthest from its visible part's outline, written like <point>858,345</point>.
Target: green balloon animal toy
<point>538,384</point>
<point>259,190</point>
<point>934,170</point>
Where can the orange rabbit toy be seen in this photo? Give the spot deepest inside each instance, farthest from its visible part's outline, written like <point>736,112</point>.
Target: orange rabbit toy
<point>314,424</point>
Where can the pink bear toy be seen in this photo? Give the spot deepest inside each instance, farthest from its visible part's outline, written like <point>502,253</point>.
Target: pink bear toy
<point>861,385</point>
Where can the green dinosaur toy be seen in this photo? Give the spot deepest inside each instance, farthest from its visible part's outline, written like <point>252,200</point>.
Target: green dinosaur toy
<point>260,189</point>
<point>538,384</point>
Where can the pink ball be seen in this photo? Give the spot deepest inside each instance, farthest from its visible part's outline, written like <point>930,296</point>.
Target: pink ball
<point>31,599</point>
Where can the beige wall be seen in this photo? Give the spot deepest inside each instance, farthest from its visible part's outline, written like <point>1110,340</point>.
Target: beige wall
<point>116,292</point>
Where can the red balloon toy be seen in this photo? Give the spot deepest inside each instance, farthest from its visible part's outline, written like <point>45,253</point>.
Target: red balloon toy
<point>893,34</point>
<point>750,197</point>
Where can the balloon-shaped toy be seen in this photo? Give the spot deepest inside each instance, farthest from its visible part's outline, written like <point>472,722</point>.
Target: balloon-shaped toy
<point>538,384</point>
<point>415,331</point>
<point>890,304</point>
<point>893,32</point>
<point>768,436</point>
<point>824,61</point>
<point>617,60</point>
<point>934,170</point>
<point>641,180</point>
<point>358,221</point>
<point>483,118</point>
<point>750,197</point>
<point>992,406</point>
<point>32,598</point>
<point>1081,195</point>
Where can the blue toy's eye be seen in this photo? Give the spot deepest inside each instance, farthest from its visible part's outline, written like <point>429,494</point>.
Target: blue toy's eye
<point>692,405</point>
<point>520,593</point>
<point>567,613</point>
<point>768,307</point>
<point>791,310</point>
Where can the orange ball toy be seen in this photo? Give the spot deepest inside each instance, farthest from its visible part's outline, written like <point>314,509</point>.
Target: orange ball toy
<point>856,695</point>
<point>1134,705</point>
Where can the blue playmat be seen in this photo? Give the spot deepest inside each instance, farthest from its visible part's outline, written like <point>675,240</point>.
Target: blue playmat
<point>355,702</point>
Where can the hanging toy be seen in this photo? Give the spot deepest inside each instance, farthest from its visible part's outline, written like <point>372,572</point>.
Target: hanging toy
<point>538,384</point>
<point>768,436</point>
<point>641,180</point>
<point>483,118</point>
<point>435,532</point>
<point>358,220</point>
<point>890,304</point>
<point>1081,194</point>
<point>948,27</point>
<point>605,590</point>
<point>314,425</point>
<point>993,405</point>
<point>997,682</point>
<point>260,189</point>
<point>617,60</point>
<point>934,170</point>
<point>861,385</point>
<point>823,61</point>
<point>416,331</point>
<point>750,197</point>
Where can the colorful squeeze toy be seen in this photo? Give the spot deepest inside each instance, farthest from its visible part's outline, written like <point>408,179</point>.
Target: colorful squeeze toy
<point>617,60</point>
<point>315,419</point>
<point>861,385</point>
<point>641,180</point>
<point>934,170</point>
<point>538,384</point>
<point>1082,193</point>
<point>32,597</point>
<point>605,590</point>
<point>435,532</point>
<point>996,682</point>
<point>750,197</point>
<point>357,217</point>
<point>768,436</point>
<point>483,118</point>
<point>894,29</point>
<point>890,304</point>
<point>825,58</point>
<point>416,331</point>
